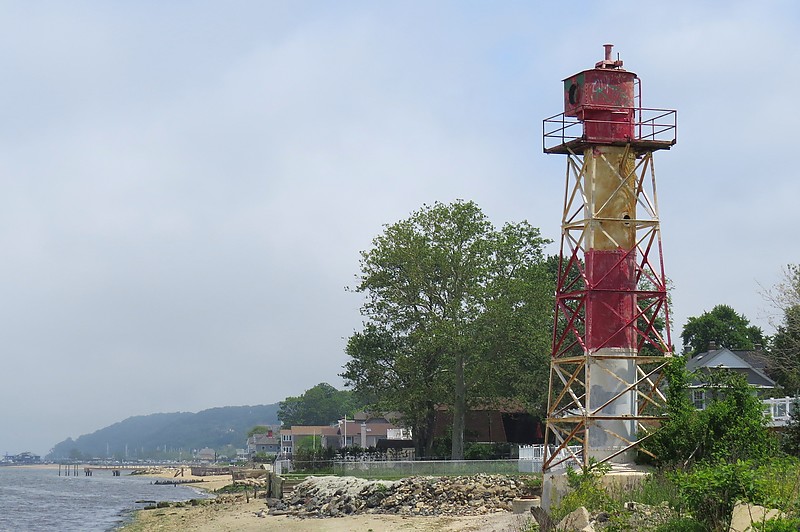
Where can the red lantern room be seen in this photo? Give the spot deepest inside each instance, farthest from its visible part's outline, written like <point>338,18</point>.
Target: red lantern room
<point>603,99</point>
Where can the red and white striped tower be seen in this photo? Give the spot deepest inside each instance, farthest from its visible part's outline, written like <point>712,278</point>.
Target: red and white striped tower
<point>611,332</point>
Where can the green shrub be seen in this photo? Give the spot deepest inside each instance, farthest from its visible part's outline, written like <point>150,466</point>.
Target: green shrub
<point>163,504</point>
<point>263,458</point>
<point>709,492</point>
<point>234,488</point>
<point>586,491</point>
<point>790,436</point>
<point>779,524</point>
<point>532,485</point>
<point>732,427</point>
<point>682,524</point>
<point>778,484</point>
<point>657,489</point>
<point>477,451</point>
<point>486,451</point>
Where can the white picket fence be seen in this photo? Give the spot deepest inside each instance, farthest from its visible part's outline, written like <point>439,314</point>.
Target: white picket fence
<point>531,457</point>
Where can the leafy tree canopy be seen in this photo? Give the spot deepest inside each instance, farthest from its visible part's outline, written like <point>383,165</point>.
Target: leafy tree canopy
<point>730,428</point>
<point>457,311</point>
<point>784,356</point>
<point>321,405</point>
<point>721,325</point>
<point>258,429</point>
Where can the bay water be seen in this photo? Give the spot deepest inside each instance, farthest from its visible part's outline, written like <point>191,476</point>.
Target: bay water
<point>38,500</point>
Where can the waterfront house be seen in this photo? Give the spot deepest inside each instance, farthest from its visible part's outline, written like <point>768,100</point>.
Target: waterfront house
<point>363,431</point>
<point>265,443</point>
<point>206,455</point>
<point>749,363</point>
<point>23,458</point>
<point>308,436</point>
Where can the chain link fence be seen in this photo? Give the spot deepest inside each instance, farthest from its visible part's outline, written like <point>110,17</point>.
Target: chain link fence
<point>409,468</point>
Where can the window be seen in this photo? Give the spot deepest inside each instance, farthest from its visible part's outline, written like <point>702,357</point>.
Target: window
<point>699,399</point>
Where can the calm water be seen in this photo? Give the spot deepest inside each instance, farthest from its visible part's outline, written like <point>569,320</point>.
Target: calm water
<point>39,500</point>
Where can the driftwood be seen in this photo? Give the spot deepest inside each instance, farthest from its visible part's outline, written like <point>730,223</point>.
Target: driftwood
<point>546,523</point>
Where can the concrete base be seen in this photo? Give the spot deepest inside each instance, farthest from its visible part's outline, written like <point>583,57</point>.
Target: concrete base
<point>523,506</point>
<point>622,477</point>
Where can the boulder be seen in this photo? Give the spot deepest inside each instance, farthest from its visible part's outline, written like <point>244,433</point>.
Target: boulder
<point>745,514</point>
<point>576,521</point>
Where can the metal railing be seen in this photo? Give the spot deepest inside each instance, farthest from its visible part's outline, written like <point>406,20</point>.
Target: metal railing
<point>779,410</point>
<point>649,125</point>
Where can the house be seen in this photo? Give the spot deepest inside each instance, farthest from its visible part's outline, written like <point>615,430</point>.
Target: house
<point>311,436</point>
<point>265,443</point>
<point>751,364</point>
<point>363,431</point>
<point>23,458</point>
<point>500,421</point>
<point>206,455</point>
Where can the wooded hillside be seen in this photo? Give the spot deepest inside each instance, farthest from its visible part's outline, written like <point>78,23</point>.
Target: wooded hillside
<point>169,436</point>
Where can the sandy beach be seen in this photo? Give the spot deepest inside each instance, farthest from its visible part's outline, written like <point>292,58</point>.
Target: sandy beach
<point>235,513</point>
<point>242,516</point>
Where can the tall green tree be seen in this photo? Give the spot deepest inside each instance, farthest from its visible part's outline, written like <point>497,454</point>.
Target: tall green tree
<point>784,356</point>
<point>441,290</point>
<point>400,375</point>
<point>721,325</point>
<point>514,330</point>
<point>321,405</point>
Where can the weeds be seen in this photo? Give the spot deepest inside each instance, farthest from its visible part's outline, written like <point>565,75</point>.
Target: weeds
<point>780,524</point>
<point>585,491</point>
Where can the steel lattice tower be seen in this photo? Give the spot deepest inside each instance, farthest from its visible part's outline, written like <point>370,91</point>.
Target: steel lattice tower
<point>611,331</point>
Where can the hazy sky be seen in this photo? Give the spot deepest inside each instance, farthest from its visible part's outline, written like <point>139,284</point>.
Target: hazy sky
<point>185,186</point>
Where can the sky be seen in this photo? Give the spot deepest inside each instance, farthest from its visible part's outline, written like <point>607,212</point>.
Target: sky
<point>185,187</point>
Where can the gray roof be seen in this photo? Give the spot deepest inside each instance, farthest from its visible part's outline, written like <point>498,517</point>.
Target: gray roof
<point>749,363</point>
<point>265,439</point>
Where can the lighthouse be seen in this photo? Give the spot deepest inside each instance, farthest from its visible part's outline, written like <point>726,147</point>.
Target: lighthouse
<point>611,333</point>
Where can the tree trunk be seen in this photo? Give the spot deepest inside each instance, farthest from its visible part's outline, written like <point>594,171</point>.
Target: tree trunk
<point>422,432</point>
<point>430,420</point>
<point>459,408</point>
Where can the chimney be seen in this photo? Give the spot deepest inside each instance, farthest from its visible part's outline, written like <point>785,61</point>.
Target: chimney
<point>608,62</point>
<point>712,345</point>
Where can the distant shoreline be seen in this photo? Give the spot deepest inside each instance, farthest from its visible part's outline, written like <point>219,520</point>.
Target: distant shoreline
<point>34,466</point>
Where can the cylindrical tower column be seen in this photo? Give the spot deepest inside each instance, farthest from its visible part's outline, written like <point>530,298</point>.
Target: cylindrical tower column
<point>610,261</point>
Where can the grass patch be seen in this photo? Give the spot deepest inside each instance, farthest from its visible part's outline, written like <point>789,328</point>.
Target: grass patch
<point>234,488</point>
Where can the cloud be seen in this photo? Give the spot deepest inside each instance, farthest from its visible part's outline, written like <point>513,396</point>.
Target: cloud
<point>185,192</point>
